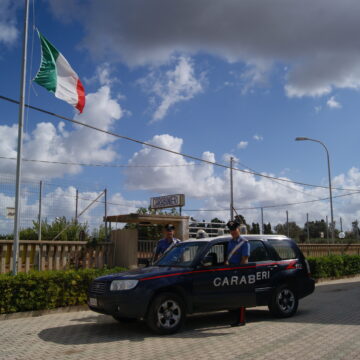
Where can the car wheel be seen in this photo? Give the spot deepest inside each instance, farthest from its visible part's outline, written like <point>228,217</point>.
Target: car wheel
<point>166,314</point>
<point>124,319</point>
<point>284,302</point>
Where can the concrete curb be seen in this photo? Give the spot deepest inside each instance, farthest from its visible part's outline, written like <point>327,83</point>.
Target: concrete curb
<point>25,314</point>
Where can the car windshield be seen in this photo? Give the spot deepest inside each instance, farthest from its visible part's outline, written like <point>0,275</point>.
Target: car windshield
<point>182,254</point>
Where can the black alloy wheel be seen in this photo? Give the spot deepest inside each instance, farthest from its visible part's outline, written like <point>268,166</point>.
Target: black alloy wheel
<point>166,313</point>
<point>284,302</point>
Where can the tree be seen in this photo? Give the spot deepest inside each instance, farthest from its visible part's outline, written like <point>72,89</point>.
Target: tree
<point>294,230</point>
<point>154,231</point>
<point>240,219</point>
<point>267,229</point>
<point>57,226</point>
<point>316,228</point>
<point>255,228</point>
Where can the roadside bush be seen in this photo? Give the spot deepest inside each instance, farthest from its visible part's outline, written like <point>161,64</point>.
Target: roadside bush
<point>333,266</point>
<point>39,290</point>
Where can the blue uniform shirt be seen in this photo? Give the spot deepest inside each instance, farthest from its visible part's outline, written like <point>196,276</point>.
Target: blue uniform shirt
<point>244,250</point>
<point>163,244</point>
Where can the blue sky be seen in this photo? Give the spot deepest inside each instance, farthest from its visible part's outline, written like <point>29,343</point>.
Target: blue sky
<point>207,78</point>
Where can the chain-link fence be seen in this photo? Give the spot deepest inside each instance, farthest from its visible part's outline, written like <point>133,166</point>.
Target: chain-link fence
<point>51,202</point>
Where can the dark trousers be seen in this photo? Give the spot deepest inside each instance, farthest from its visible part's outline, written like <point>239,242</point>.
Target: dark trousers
<point>239,316</point>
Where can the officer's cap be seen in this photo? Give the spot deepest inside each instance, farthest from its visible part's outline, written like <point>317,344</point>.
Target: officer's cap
<point>232,225</point>
<point>169,227</point>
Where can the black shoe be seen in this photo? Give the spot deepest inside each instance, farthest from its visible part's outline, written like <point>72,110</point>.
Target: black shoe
<point>238,323</point>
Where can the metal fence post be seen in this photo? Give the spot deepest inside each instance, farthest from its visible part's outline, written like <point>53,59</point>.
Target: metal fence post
<point>307,227</point>
<point>39,219</point>
<point>105,214</point>
<point>327,229</point>
<point>76,206</point>
<point>287,223</point>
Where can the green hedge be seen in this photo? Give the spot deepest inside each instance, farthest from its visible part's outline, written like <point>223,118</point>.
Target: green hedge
<point>46,289</point>
<point>334,266</point>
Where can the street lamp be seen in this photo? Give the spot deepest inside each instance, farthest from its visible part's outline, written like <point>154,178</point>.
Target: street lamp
<point>330,192</point>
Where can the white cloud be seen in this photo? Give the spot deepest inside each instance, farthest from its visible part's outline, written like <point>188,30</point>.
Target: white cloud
<point>333,104</point>
<point>256,74</point>
<point>71,144</point>
<point>226,158</point>
<point>172,86</point>
<point>313,42</point>
<point>258,137</point>
<point>164,180</point>
<point>119,205</point>
<point>212,186</point>
<point>242,144</point>
<point>8,27</point>
<point>103,75</point>
<point>317,109</point>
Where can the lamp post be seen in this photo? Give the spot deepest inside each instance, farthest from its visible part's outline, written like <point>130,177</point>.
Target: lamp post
<point>330,191</point>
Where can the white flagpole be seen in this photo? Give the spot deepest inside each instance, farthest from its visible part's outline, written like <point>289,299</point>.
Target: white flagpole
<point>19,144</point>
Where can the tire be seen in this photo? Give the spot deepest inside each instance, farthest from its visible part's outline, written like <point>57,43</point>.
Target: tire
<point>123,319</point>
<point>166,314</point>
<point>284,302</point>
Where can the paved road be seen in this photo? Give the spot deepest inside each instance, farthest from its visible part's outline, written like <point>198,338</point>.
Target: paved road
<point>327,326</point>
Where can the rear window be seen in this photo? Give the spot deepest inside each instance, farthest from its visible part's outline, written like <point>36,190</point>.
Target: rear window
<point>258,251</point>
<point>283,248</point>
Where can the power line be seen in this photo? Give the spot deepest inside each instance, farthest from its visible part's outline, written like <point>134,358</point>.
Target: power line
<point>99,165</point>
<point>274,206</point>
<point>287,186</point>
<point>164,149</point>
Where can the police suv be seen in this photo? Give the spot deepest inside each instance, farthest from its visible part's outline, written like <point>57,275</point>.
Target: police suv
<point>193,277</point>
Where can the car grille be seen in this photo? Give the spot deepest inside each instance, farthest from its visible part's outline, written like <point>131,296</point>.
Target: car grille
<point>98,287</point>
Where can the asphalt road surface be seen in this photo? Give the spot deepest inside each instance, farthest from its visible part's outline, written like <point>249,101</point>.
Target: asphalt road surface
<point>326,326</point>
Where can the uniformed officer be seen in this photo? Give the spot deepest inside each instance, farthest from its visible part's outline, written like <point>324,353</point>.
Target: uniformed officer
<point>238,252</point>
<point>201,234</point>
<point>167,241</point>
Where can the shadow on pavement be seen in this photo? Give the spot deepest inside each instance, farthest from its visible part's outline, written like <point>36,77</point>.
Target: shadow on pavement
<point>330,304</point>
<point>103,329</point>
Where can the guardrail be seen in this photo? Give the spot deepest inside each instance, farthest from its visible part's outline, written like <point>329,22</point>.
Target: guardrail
<point>146,249</point>
<point>329,249</point>
<point>54,255</point>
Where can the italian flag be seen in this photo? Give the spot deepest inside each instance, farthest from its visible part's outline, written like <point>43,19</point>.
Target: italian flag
<point>57,76</point>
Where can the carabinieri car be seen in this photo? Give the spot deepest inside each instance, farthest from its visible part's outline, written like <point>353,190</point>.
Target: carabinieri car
<point>192,277</point>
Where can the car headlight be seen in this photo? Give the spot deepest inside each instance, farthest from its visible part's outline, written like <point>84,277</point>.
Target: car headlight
<point>117,285</point>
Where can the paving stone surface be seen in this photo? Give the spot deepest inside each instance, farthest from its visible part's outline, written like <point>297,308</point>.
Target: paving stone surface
<point>327,326</point>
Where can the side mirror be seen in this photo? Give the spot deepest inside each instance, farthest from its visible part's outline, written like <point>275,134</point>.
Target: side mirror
<point>147,262</point>
<point>144,263</point>
<point>208,260</point>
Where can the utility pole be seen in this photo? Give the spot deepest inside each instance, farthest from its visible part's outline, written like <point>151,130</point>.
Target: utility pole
<point>307,227</point>
<point>231,190</point>
<point>105,211</point>
<point>262,221</point>
<point>332,226</point>
<point>19,143</point>
<point>76,205</point>
<point>40,205</point>
<point>287,223</point>
<point>327,229</point>
<point>39,219</point>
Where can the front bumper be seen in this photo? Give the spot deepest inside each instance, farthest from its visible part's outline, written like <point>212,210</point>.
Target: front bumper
<point>127,303</point>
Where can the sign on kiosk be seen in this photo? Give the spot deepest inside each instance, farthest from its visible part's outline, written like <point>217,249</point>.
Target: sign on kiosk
<point>168,201</point>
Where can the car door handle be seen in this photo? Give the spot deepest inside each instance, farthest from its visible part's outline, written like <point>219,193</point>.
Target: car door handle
<point>272,267</point>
